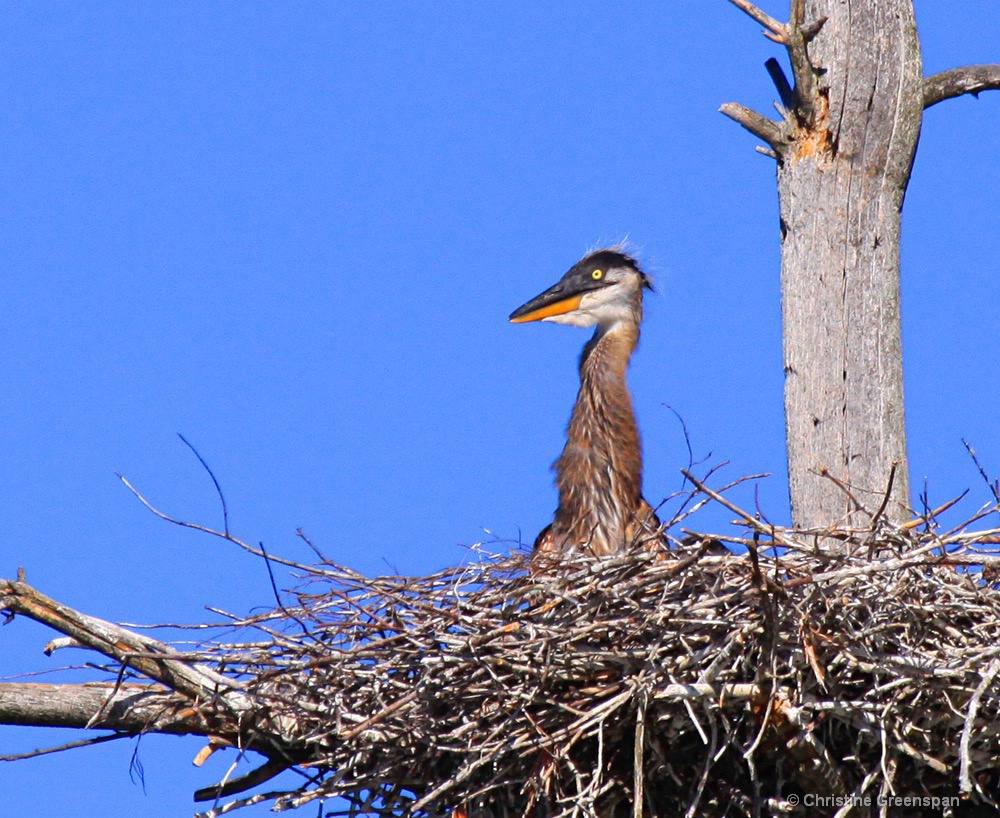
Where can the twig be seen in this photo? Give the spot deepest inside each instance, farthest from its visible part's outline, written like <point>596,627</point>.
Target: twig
<point>240,803</point>
<point>70,745</point>
<point>752,521</point>
<point>844,487</point>
<point>965,784</point>
<point>929,516</point>
<point>312,569</point>
<point>885,497</point>
<point>638,752</point>
<point>994,487</point>
<point>215,482</point>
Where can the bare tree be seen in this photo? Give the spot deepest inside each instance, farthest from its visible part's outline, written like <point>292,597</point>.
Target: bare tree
<point>844,146</point>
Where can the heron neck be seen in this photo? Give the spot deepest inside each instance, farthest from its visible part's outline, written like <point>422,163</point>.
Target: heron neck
<point>607,354</point>
<point>604,400</point>
<point>602,461</point>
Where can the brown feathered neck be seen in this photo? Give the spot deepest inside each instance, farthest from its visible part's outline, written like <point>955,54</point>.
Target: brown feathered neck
<point>609,349</point>
<point>599,474</point>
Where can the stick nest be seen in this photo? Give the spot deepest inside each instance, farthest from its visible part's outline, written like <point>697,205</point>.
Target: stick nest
<point>691,683</point>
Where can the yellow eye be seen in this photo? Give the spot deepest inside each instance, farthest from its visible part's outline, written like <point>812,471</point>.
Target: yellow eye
<point>597,275</point>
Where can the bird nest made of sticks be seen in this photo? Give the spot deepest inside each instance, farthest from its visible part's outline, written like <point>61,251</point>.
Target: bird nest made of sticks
<point>697,682</point>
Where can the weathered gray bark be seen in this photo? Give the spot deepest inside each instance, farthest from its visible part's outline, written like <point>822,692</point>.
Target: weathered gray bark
<point>127,708</point>
<point>841,190</point>
<point>844,153</point>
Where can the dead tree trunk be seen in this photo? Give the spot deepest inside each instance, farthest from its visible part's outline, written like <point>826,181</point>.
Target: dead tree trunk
<point>841,198</point>
<point>844,148</point>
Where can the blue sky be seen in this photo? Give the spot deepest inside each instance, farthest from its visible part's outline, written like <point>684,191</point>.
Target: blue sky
<point>293,233</point>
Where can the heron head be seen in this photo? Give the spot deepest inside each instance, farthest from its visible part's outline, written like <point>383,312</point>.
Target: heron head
<point>603,288</point>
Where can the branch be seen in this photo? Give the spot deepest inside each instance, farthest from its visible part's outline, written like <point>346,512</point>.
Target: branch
<point>969,79</point>
<point>758,124</point>
<point>150,657</point>
<point>796,35</point>
<point>256,777</point>
<point>775,30</point>
<point>127,708</point>
<point>797,40</point>
<point>789,99</point>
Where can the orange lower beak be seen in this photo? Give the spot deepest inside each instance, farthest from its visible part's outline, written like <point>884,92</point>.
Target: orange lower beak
<point>557,308</point>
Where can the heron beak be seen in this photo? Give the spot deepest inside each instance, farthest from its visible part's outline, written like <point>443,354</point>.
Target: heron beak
<point>535,311</point>
<point>559,299</point>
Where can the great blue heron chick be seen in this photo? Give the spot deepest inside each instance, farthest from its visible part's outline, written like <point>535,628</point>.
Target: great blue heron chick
<point>599,473</point>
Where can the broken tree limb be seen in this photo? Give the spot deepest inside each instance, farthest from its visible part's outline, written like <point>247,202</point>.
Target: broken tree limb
<point>969,79</point>
<point>759,125</point>
<point>126,708</point>
<point>149,657</point>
